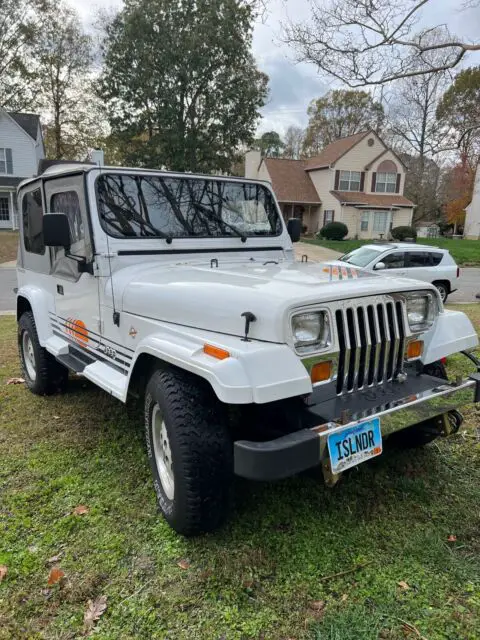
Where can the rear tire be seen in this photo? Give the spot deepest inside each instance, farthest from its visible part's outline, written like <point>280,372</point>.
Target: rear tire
<point>42,373</point>
<point>190,451</point>
<point>443,290</point>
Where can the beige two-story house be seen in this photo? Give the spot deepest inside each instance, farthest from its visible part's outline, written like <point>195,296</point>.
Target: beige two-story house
<point>356,180</point>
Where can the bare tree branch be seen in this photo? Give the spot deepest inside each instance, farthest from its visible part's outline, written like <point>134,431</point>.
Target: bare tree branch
<point>362,42</point>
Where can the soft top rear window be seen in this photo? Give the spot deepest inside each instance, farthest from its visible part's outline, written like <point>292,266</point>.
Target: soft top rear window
<point>154,206</point>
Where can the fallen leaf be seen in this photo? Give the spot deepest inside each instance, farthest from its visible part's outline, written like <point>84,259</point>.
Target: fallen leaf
<point>95,609</point>
<point>3,571</point>
<point>403,585</point>
<point>452,538</point>
<point>55,576</point>
<point>247,584</point>
<point>15,381</point>
<point>344,598</point>
<point>317,605</point>
<point>80,510</point>
<point>183,564</point>
<point>54,559</point>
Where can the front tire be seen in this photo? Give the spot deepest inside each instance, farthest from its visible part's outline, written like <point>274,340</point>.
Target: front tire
<point>42,373</point>
<point>190,451</point>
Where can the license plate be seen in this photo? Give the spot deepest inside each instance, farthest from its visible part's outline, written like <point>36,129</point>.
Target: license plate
<point>354,445</point>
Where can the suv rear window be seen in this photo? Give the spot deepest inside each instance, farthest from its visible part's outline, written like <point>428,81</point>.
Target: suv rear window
<point>436,258</point>
<point>418,259</point>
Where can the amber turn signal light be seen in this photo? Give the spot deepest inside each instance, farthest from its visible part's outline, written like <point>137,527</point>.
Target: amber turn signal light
<point>414,349</point>
<point>215,352</point>
<point>321,371</point>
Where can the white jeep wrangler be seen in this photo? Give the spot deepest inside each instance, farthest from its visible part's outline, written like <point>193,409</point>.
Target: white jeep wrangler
<point>183,290</point>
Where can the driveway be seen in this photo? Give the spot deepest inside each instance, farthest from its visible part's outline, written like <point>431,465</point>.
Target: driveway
<point>468,286</point>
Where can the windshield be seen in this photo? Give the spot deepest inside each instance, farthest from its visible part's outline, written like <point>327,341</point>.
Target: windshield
<point>362,256</point>
<point>152,206</point>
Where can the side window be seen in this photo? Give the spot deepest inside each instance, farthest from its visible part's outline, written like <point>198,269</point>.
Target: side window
<point>436,258</point>
<point>394,260</point>
<point>67,202</point>
<point>418,259</point>
<point>32,214</point>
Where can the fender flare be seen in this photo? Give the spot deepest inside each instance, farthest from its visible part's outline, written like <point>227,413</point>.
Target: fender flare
<point>452,332</point>
<point>40,302</point>
<point>256,372</point>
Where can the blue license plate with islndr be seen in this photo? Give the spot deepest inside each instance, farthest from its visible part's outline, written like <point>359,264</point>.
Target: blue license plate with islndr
<point>355,444</point>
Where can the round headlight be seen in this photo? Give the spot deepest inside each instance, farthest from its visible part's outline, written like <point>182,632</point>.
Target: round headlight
<point>311,331</point>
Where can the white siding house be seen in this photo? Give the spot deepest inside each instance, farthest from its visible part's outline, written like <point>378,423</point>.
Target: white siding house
<point>21,148</point>
<point>472,219</point>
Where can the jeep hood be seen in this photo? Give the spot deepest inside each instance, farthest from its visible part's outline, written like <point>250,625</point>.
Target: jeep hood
<point>213,299</point>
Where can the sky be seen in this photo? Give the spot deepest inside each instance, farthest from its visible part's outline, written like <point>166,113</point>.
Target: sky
<point>292,85</point>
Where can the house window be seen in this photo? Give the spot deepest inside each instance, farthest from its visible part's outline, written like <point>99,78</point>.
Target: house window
<point>4,209</point>
<point>32,211</point>
<point>364,221</point>
<point>6,165</point>
<point>386,182</point>
<point>380,219</point>
<point>328,216</point>
<point>350,180</point>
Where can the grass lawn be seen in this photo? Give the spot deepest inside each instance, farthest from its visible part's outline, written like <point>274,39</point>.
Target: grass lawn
<point>269,574</point>
<point>8,245</point>
<point>465,252</point>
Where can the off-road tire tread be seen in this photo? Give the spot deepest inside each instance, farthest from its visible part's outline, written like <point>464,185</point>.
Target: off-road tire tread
<point>200,439</point>
<point>51,375</point>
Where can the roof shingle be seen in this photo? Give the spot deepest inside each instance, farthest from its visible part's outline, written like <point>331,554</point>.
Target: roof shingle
<point>334,151</point>
<point>372,199</point>
<point>28,121</point>
<point>290,181</point>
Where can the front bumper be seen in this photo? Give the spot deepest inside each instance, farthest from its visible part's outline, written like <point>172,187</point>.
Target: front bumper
<point>397,405</point>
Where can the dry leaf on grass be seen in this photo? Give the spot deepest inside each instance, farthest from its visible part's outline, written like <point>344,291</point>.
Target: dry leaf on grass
<point>54,559</point>
<point>452,538</point>
<point>317,605</point>
<point>3,571</point>
<point>80,510</point>
<point>55,576</point>
<point>95,609</point>
<point>183,564</point>
<point>403,585</point>
<point>15,381</point>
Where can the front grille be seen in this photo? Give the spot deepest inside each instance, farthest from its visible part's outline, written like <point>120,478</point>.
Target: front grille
<point>372,344</point>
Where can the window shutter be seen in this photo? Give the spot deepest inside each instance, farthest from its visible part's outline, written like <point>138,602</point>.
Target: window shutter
<point>8,157</point>
<point>374,181</point>
<point>362,181</point>
<point>397,188</point>
<point>337,179</point>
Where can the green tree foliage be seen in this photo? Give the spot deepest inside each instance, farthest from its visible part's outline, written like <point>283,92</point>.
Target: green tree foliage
<point>270,144</point>
<point>459,110</point>
<point>180,82</point>
<point>62,63</point>
<point>21,22</point>
<point>340,113</point>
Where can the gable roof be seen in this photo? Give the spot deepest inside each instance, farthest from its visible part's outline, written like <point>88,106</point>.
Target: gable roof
<point>367,166</point>
<point>290,181</point>
<point>334,151</point>
<point>28,121</point>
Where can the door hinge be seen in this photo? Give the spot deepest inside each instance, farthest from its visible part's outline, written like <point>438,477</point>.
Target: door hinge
<point>116,318</point>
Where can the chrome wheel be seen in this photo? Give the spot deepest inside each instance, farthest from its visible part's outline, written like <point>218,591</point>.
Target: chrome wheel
<point>163,453</point>
<point>29,356</point>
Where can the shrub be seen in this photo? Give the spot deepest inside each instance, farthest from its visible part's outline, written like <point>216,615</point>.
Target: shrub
<point>400,233</point>
<point>334,231</point>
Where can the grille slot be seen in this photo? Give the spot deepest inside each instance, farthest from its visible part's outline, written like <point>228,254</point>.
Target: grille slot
<point>372,344</point>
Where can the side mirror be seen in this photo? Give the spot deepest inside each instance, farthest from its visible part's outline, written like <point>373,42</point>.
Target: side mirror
<point>294,228</point>
<point>56,231</point>
<point>380,266</point>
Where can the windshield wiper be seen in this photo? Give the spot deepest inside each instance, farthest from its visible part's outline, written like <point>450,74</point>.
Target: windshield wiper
<point>212,216</point>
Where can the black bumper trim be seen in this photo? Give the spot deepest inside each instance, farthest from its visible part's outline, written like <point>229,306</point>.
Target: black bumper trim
<point>278,458</point>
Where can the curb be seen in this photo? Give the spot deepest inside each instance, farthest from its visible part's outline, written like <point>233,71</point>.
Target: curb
<point>7,313</point>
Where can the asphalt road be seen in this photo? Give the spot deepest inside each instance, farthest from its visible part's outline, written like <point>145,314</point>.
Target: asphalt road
<point>469,285</point>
